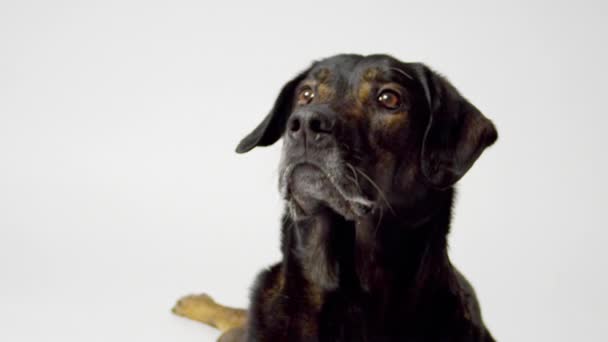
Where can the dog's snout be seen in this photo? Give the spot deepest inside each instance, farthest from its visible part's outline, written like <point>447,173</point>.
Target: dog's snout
<point>310,123</point>
<point>320,124</point>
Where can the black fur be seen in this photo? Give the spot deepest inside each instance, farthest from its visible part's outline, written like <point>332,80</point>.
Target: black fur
<point>385,276</point>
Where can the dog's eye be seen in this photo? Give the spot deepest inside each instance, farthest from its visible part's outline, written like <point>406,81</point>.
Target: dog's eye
<point>305,96</point>
<point>389,99</point>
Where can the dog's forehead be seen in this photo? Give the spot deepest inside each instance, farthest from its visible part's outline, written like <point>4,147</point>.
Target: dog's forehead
<point>350,69</point>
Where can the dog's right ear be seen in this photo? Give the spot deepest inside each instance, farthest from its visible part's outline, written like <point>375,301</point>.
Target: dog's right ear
<point>272,127</point>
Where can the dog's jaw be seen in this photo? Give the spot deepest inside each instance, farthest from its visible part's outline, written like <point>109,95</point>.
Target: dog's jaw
<point>307,187</point>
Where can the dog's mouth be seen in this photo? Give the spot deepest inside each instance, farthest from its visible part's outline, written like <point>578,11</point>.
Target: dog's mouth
<point>308,188</point>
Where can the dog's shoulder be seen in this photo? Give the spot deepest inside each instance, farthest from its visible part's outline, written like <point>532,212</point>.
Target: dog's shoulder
<point>267,287</point>
<point>282,308</point>
<point>470,304</point>
<point>466,292</point>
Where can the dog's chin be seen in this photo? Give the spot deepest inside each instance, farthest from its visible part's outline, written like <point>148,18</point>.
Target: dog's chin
<point>310,191</point>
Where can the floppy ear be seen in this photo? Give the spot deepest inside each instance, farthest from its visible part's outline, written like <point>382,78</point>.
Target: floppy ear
<point>456,132</point>
<point>273,125</point>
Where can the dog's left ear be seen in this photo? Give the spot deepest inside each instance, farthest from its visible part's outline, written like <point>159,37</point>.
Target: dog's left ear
<point>272,127</point>
<point>456,132</point>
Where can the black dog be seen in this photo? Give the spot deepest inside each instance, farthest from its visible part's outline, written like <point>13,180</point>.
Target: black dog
<point>372,148</point>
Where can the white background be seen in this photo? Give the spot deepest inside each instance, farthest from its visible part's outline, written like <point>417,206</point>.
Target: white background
<point>120,190</point>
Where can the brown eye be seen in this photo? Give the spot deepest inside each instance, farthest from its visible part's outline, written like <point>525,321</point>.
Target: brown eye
<point>305,96</point>
<point>389,99</point>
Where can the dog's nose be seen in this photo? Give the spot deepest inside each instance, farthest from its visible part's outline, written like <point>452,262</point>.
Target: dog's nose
<point>312,124</point>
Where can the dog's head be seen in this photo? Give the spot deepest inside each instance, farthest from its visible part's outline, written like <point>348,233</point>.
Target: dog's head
<point>368,133</point>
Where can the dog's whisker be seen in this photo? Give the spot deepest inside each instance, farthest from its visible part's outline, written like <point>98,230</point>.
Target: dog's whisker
<point>378,223</point>
<point>380,192</point>
<point>352,152</point>
<point>356,180</point>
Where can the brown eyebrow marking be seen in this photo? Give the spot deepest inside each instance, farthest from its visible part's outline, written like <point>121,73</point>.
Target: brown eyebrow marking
<point>370,74</point>
<point>365,87</point>
<point>364,92</point>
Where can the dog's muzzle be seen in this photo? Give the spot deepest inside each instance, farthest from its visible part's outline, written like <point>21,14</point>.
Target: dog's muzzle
<point>313,173</point>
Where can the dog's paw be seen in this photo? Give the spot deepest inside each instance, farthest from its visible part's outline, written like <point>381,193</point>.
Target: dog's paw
<point>204,309</point>
<point>197,307</point>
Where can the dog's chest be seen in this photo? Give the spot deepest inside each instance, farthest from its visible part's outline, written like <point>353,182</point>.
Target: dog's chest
<point>352,316</point>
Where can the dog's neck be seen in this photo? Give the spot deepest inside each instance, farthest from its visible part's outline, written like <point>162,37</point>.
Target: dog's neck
<point>410,253</point>
<point>377,252</point>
